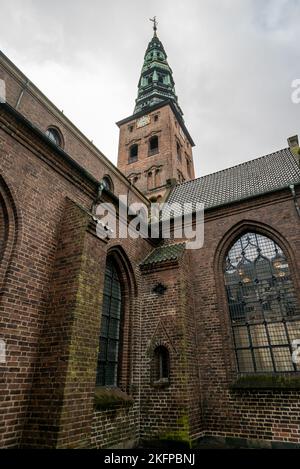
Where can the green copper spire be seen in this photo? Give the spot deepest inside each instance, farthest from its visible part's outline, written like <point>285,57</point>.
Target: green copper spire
<point>156,82</point>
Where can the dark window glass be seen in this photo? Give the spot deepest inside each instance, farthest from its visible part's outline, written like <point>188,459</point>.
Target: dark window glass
<point>107,183</point>
<point>153,145</point>
<point>162,363</point>
<point>109,346</point>
<point>133,153</point>
<point>54,136</point>
<point>264,312</point>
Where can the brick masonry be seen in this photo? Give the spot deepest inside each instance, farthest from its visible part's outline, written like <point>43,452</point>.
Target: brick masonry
<point>151,172</point>
<point>51,277</point>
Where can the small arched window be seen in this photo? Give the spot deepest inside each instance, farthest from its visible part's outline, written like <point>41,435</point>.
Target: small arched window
<point>110,335</point>
<point>153,145</point>
<point>107,182</point>
<point>161,365</point>
<point>133,153</point>
<point>55,136</point>
<point>264,312</point>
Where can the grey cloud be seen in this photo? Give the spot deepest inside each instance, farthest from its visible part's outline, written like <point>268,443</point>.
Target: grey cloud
<point>233,64</point>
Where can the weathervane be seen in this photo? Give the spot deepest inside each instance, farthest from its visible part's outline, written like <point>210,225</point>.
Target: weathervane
<point>155,23</point>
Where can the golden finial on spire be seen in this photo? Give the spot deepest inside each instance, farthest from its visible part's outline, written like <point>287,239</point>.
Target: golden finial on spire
<point>155,23</point>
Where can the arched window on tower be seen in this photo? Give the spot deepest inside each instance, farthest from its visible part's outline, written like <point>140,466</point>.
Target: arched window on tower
<point>153,146</point>
<point>264,312</point>
<point>111,324</point>
<point>133,153</point>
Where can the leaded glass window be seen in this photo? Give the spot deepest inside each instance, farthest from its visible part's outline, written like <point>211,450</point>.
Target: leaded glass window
<point>264,311</point>
<point>110,335</point>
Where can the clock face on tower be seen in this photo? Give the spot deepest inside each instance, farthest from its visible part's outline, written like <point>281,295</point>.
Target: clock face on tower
<point>145,120</point>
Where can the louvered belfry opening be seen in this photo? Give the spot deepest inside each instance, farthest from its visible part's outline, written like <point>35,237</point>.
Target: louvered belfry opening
<point>110,335</point>
<point>264,312</point>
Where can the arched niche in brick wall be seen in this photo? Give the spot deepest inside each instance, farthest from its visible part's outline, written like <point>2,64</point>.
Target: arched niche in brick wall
<point>9,227</point>
<point>160,363</point>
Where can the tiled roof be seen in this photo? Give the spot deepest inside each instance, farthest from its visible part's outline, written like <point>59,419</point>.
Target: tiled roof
<point>170,252</point>
<point>255,177</point>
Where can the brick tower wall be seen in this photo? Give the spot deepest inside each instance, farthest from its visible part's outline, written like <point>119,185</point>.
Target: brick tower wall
<point>165,163</point>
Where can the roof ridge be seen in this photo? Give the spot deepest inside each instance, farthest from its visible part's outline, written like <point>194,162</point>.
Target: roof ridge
<point>235,166</point>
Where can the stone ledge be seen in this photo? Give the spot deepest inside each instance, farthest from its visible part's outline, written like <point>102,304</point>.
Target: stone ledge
<point>287,382</point>
<point>108,398</point>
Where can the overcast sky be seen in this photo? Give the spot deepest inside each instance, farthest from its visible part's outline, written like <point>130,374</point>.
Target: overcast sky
<point>233,63</point>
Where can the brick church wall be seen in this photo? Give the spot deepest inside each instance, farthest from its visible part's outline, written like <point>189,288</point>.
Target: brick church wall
<point>252,414</point>
<point>49,322</point>
<point>50,305</point>
<point>164,125</point>
<point>171,412</point>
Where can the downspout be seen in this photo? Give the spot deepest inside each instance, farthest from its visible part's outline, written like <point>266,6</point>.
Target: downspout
<point>292,189</point>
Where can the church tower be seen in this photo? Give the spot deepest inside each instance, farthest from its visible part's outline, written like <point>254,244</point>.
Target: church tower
<point>155,147</point>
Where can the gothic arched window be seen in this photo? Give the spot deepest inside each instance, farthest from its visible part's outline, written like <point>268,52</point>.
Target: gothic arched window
<point>264,313</point>
<point>110,335</point>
